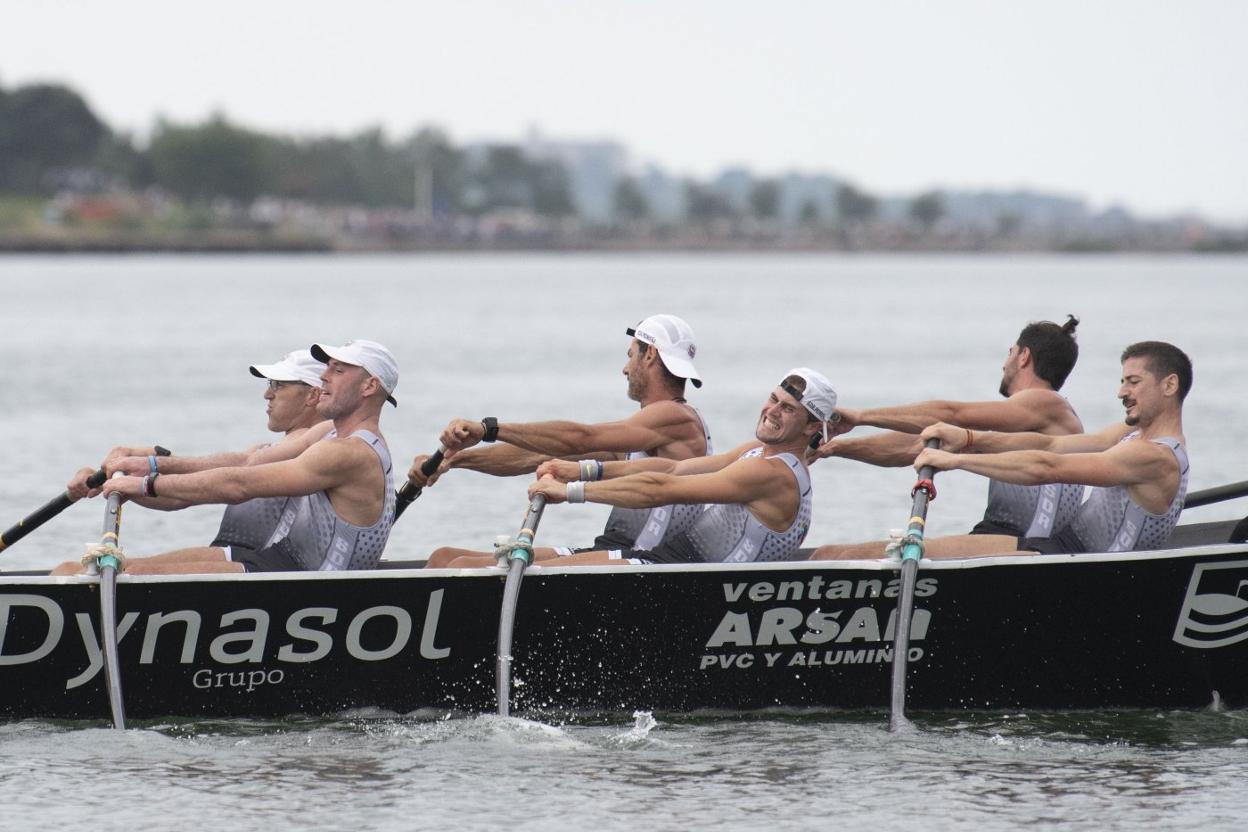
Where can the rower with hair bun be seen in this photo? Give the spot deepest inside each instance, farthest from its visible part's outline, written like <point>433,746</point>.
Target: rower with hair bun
<point>1036,366</point>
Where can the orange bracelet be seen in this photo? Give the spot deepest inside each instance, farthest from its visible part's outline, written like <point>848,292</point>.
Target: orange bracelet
<point>970,439</point>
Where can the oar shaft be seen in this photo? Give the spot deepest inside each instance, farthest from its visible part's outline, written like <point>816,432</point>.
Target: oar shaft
<point>1216,495</point>
<point>45,513</point>
<point>108,612</point>
<point>911,552</point>
<point>520,559</point>
<point>408,492</point>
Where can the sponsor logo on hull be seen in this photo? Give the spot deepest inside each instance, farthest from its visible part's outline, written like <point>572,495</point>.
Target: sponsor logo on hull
<point>1215,609</point>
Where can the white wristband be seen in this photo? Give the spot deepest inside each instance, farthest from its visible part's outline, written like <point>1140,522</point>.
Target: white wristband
<point>576,492</point>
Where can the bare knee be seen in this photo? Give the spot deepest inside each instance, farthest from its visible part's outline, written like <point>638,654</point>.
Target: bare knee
<point>443,556</point>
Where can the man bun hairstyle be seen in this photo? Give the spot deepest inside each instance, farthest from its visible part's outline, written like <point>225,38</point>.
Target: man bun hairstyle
<point>1053,348</point>
<point>1162,359</point>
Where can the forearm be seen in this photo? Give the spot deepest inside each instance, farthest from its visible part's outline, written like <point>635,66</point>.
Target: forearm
<point>498,460</point>
<point>550,439</point>
<point>909,418</point>
<point>218,485</point>
<point>627,467</point>
<point>998,442</point>
<point>646,489</point>
<point>1018,467</point>
<point>887,450</point>
<point>195,464</point>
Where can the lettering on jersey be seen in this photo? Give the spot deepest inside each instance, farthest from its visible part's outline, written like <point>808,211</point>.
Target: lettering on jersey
<point>1215,609</point>
<point>762,629</point>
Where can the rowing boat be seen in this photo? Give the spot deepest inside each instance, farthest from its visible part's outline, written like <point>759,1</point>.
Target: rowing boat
<point>1165,629</point>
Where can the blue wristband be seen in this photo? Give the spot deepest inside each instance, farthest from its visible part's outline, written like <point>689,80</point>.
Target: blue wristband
<point>151,463</point>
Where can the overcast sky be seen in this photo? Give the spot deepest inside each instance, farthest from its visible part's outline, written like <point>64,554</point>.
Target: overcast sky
<point>1143,102</point>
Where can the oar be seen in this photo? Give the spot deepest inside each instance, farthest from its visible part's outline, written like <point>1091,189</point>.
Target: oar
<point>45,513</point>
<point>911,552</point>
<point>1216,495</point>
<point>519,557</point>
<point>107,566</point>
<point>408,493</point>
<point>54,507</point>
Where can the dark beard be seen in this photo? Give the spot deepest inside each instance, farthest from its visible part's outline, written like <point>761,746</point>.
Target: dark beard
<point>1004,390</point>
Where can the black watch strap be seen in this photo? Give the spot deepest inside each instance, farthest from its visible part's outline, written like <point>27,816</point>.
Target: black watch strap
<point>491,429</point>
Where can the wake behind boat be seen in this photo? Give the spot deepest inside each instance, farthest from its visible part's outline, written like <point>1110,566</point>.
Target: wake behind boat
<point>1166,629</point>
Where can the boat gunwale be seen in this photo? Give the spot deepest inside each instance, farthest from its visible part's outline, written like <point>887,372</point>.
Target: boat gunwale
<point>541,570</point>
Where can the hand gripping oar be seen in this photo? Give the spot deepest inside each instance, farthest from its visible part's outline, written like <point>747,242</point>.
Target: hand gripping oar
<point>107,557</point>
<point>408,493</point>
<point>54,507</point>
<point>911,552</point>
<point>519,555</point>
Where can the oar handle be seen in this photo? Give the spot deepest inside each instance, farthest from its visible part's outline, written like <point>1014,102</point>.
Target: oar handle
<point>408,493</point>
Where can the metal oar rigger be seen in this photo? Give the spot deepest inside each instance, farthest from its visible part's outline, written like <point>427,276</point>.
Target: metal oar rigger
<point>911,552</point>
<point>519,554</point>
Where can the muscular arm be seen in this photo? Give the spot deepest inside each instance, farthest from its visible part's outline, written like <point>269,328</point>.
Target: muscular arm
<point>684,467</point>
<point>649,429</point>
<point>321,468</point>
<point>1149,470</point>
<point>892,449</point>
<point>1039,411</point>
<point>503,460</point>
<point>765,486</point>
<point>957,439</point>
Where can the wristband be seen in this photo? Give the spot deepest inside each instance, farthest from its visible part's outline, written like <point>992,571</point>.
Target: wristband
<point>151,464</point>
<point>591,470</point>
<point>491,429</point>
<point>970,439</point>
<point>149,485</point>
<point>576,492</point>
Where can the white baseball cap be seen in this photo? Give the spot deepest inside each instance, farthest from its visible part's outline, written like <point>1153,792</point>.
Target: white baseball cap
<point>370,355</point>
<point>818,398</point>
<point>673,338</point>
<point>295,366</point>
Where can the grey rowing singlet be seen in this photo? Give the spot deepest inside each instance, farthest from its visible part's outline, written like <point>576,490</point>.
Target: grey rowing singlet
<point>728,533</point>
<point>1033,511</point>
<point>249,524</point>
<point>312,534</point>
<point>647,527</point>
<point>1110,521</point>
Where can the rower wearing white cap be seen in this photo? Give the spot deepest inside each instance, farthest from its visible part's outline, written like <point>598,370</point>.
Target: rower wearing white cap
<point>660,360</point>
<point>335,486</point>
<point>757,497</point>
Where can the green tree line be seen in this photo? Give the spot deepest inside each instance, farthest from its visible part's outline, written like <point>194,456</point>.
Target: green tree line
<point>49,137</point>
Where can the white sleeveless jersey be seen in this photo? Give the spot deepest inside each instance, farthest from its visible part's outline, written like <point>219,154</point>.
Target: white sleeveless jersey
<point>647,527</point>
<point>728,533</point>
<point>1110,521</point>
<point>314,536</point>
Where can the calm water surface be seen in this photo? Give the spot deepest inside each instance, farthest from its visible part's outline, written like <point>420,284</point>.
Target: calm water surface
<point>154,349</point>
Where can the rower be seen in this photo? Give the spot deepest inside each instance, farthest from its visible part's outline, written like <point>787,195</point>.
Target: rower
<point>659,362</point>
<point>291,394</point>
<point>333,482</point>
<point>752,503</point>
<point>1036,366</point>
<point>1138,469</point>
